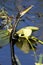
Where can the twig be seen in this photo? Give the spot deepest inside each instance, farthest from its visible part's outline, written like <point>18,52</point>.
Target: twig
<point>13,59</point>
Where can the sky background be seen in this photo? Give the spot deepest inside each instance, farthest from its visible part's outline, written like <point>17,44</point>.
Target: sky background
<point>12,6</point>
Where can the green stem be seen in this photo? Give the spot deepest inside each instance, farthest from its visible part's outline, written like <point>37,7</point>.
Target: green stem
<point>32,49</point>
<point>40,59</point>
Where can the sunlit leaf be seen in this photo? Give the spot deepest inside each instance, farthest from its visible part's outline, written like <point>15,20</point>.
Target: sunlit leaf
<point>24,36</point>
<point>37,40</point>
<point>26,10</point>
<point>38,64</point>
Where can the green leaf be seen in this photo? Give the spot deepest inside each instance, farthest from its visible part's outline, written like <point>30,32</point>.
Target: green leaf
<point>23,45</point>
<point>4,38</point>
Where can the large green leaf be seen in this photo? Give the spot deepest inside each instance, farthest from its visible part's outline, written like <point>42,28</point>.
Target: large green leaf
<point>4,37</point>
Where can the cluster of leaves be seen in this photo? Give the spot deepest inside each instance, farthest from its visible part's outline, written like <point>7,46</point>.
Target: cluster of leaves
<point>25,41</point>
<point>28,41</point>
